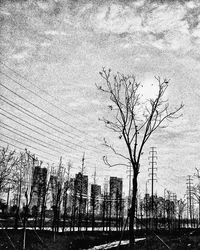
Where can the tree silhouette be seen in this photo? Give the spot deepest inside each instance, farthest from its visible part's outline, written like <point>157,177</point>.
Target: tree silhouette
<point>8,161</point>
<point>135,121</point>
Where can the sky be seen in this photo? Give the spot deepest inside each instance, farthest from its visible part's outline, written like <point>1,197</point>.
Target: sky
<point>59,47</point>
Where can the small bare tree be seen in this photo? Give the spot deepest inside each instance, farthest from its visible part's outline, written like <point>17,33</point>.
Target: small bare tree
<point>181,204</point>
<point>8,162</point>
<point>66,189</point>
<point>135,121</point>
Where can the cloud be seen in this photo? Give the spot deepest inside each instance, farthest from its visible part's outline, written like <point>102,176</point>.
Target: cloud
<point>162,25</point>
<point>140,37</point>
<point>55,33</point>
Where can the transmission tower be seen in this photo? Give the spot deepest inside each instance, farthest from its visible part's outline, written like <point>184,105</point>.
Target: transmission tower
<point>152,174</point>
<point>189,194</point>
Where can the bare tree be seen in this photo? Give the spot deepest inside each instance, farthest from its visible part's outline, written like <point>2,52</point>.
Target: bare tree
<point>67,185</point>
<point>57,187</point>
<point>135,121</point>
<point>8,162</point>
<point>180,209</point>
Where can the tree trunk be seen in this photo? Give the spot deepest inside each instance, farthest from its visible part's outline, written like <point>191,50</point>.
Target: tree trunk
<point>65,213</point>
<point>132,213</point>
<point>103,213</point>
<point>199,213</point>
<point>24,226</point>
<point>93,213</point>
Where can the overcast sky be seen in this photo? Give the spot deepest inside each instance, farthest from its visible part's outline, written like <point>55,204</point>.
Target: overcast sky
<point>60,46</point>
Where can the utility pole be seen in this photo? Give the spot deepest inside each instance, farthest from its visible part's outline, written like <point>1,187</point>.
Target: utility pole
<point>189,193</point>
<point>152,174</point>
<point>146,205</point>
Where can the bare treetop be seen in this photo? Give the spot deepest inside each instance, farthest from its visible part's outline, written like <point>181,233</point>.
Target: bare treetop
<point>135,119</point>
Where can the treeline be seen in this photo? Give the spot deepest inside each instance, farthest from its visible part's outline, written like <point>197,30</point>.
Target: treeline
<point>43,197</point>
<point>50,198</point>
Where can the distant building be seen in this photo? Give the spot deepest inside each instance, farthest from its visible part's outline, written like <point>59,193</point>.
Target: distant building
<point>95,200</point>
<point>116,186</point>
<point>81,185</point>
<point>39,182</point>
<point>53,188</point>
<point>79,193</point>
<point>95,190</point>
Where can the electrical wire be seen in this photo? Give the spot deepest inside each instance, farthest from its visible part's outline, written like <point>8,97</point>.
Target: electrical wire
<point>28,113</point>
<point>29,135</point>
<point>44,91</point>
<point>43,111</point>
<point>41,130</point>
<point>15,146</point>
<point>36,131</point>
<point>21,85</point>
<point>41,144</point>
<point>27,145</point>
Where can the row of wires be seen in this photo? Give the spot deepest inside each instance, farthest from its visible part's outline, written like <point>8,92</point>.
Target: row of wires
<point>29,119</point>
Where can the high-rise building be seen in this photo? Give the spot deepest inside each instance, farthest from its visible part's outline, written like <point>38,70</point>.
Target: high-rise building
<point>115,196</point>
<point>95,190</point>
<point>95,199</point>
<point>115,187</point>
<point>39,182</point>
<point>81,185</point>
<point>54,185</point>
<point>80,193</point>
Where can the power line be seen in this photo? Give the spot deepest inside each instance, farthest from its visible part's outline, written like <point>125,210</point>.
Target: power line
<point>41,130</point>
<point>9,102</point>
<point>47,159</point>
<point>8,143</point>
<point>189,192</point>
<point>152,174</point>
<point>27,145</point>
<point>44,91</point>
<point>36,131</point>
<point>44,112</point>
<point>24,99</point>
<point>28,135</point>
<point>32,146</point>
<point>30,114</point>
<point>21,85</point>
<point>50,147</point>
<point>41,144</point>
<point>81,131</point>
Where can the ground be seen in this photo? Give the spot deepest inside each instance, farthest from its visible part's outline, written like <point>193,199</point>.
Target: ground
<point>179,240</point>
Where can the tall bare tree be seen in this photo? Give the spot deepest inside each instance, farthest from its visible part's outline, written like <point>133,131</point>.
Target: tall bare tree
<point>135,121</point>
